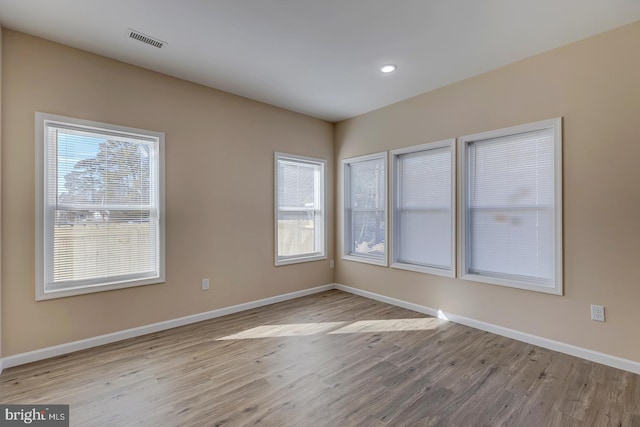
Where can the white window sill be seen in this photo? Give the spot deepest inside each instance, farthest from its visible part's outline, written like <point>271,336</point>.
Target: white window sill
<point>300,259</point>
<point>423,269</point>
<point>366,260</point>
<point>90,289</point>
<point>513,283</point>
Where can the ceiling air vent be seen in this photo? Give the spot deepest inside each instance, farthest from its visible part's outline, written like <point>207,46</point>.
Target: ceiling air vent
<point>145,39</point>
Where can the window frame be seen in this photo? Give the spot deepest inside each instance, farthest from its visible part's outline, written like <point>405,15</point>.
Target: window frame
<point>319,237</point>
<point>394,171</point>
<point>347,211</point>
<point>532,285</point>
<point>44,221</point>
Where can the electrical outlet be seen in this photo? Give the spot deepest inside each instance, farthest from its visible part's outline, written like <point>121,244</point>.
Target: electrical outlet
<point>205,284</point>
<point>332,264</point>
<point>597,313</point>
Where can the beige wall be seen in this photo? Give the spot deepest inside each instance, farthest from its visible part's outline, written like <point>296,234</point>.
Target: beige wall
<point>594,85</point>
<point>219,191</point>
<point>220,149</point>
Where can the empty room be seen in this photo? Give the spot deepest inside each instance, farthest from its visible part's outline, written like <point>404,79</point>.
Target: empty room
<point>319,213</point>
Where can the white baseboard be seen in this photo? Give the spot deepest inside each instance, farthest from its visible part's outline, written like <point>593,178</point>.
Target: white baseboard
<point>583,353</point>
<point>45,353</point>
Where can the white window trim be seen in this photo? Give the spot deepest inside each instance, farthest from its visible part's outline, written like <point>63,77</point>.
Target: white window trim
<point>556,125</point>
<point>395,233</point>
<point>43,235</point>
<point>314,256</point>
<point>346,228</point>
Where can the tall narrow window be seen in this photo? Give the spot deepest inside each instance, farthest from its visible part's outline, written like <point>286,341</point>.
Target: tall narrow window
<point>300,209</point>
<point>100,207</point>
<point>423,214</point>
<point>512,207</point>
<point>365,219</point>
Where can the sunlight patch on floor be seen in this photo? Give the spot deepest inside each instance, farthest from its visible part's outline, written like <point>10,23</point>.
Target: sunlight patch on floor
<point>290,330</point>
<point>390,325</point>
<point>360,326</point>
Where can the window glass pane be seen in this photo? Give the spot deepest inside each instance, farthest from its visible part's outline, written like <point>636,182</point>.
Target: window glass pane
<point>96,245</point>
<point>512,171</point>
<point>425,237</point>
<point>96,169</point>
<point>297,185</point>
<point>367,184</point>
<point>368,233</point>
<point>426,179</point>
<point>512,242</point>
<point>297,233</point>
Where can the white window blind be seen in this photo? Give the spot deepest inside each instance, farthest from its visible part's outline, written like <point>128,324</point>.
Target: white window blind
<point>365,208</point>
<point>300,211</point>
<point>512,212</point>
<point>424,208</point>
<point>101,213</point>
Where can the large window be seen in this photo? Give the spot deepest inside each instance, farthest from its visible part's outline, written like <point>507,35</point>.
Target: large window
<point>100,207</point>
<point>300,209</point>
<point>365,218</point>
<point>512,206</point>
<point>423,214</point>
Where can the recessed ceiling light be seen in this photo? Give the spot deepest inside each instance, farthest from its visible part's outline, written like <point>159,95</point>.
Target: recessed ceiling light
<point>388,68</point>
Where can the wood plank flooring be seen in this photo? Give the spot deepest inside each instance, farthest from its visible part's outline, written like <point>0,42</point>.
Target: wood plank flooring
<point>330,359</point>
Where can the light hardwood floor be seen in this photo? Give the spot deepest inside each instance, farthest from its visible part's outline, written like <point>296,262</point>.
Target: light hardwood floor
<point>330,359</point>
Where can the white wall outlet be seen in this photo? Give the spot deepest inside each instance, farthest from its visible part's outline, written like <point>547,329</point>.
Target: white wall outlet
<point>597,313</point>
<point>332,264</point>
<point>205,284</point>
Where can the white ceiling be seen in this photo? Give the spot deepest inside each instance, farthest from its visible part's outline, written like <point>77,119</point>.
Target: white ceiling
<point>319,57</point>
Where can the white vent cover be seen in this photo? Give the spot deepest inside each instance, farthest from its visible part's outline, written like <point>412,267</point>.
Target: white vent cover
<point>145,38</point>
